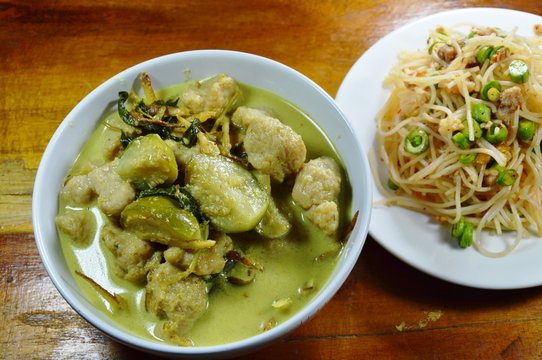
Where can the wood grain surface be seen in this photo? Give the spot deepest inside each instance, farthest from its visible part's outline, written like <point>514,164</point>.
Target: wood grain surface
<point>53,53</point>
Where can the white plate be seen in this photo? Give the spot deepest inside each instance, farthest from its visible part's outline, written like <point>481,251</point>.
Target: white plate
<point>413,237</point>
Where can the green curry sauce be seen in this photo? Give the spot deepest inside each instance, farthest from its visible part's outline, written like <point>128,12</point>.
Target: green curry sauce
<point>296,267</point>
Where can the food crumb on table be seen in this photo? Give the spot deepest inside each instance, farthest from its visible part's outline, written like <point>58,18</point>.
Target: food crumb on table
<point>430,316</point>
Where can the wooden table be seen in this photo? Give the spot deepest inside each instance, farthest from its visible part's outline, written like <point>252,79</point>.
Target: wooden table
<point>52,53</point>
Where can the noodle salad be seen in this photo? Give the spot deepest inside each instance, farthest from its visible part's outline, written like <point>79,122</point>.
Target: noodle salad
<point>460,135</point>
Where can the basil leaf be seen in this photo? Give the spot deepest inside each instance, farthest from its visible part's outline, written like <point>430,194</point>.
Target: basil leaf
<point>125,140</point>
<point>190,138</point>
<point>123,112</point>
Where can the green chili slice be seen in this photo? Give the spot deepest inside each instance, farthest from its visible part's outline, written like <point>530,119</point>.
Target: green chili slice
<point>481,113</point>
<point>467,158</point>
<point>496,133</point>
<point>459,227</point>
<point>475,127</point>
<point>489,85</point>
<point>493,94</point>
<point>471,34</point>
<point>465,240</point>
<point>461,140</point>
<point>526,129</point>
<point>483,54</point>
<point>416,142</point>
<point>393,186</point>
<point>430,49</point>
<point>507,177</point>
<point>519,71</point>
<point>493,52</point>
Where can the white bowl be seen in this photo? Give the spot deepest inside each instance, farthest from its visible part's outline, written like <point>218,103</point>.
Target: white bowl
<point>166,70</point>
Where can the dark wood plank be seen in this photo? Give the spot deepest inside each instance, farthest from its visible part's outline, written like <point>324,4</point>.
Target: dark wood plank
<point>55,53</point>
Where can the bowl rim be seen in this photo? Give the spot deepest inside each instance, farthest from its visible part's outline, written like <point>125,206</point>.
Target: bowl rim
<point>332,285</point>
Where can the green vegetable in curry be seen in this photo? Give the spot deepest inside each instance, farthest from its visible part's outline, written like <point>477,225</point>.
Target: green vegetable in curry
<point>148,162</point>
<point>158,219</point>
<point>228,194</point>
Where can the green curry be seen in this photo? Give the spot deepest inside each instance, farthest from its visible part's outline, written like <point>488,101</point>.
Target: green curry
<point>286,269</point>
